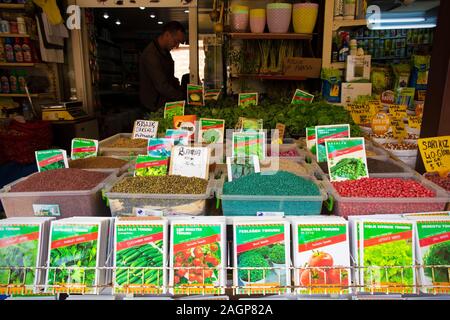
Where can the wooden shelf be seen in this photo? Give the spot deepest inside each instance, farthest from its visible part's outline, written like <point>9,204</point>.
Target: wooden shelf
<point>16,64</point>
<point>14,35</point>
<point>269,77</point>
<point>348,23</point>
<point>271,36</point>
<point>18,95</point>
<point>12,6</point>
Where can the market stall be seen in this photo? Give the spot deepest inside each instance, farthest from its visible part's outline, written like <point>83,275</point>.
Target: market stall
<point>238,192</point>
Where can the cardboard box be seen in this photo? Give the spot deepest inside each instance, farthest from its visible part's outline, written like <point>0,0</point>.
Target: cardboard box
<point>302,67</point>
<point>358,68</point>
<point>351,91</point>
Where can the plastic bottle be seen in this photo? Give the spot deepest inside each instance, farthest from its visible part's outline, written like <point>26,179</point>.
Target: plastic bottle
<point>26,51</point>
<point>21,26</point>
<point>343,52</point>
<point>5,83</point>
<point>18,50</point>
<point>13,84</point>
<point>22,80</point>
<point>9,50</point>
<point>2,51</point>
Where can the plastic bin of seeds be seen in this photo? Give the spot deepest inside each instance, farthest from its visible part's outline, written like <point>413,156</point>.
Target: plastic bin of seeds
<point>112,164</point>
<point>290,151</point>
<point>164,195</point>
<point>386,193</point>
<point>74,192</point>
<point>279,191</point>
<point>122,145</point>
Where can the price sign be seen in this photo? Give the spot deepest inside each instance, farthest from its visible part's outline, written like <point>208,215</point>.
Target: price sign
<point>360,113</point>
<point>190,161</point>
<point>375,106</point>
<point>415,122</point>
<point>398,129</point>
<point>435,154</point>
<point>145,129</point>
<point>380,123</point>
<point>397,111</point>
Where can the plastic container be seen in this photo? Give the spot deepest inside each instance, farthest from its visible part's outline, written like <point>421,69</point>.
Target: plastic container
<point>279,17</point>
<point>122,204</point>
<point>348,206</point>
<point>71,203</point>
<point>304,17</point>
<point>249,205</point>
<point>104,150</point>
<point>285,148</point>
<point>118,171</point>
<point>257,20</point>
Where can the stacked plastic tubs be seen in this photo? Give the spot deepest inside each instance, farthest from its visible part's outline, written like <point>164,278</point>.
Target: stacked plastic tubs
<point>124,204</point>
<point>71,203</point>
<point>123,153</point>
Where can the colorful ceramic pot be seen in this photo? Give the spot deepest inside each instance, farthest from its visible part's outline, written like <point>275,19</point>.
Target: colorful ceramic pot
<point>304,17</point>
<point>279,17</point>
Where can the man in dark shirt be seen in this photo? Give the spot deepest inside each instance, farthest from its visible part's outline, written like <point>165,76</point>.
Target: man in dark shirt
<point>158,84</point>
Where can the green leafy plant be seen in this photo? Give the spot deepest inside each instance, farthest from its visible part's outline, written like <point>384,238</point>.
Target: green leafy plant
<point>251,259</point>
<point>438,254</point>
<point>19,255</point>
<point>277,254</point>
<point>350,168</point>
<point>395,253</point>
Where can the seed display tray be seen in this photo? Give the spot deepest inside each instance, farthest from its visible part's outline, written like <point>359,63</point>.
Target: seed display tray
<point>104,150</point>
<point>349,206</point>
<point>71,203</point>
<point>249,205</point>
<point>122,204</point>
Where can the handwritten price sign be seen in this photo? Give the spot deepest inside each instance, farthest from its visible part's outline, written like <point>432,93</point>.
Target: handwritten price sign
<point>435,154</point>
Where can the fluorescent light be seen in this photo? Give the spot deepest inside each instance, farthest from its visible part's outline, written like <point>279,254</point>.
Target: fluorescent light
<point>186,11</point>
<point>397,20</point>
<point>152,16</point>
<point>106,15</point>
<point>401,26</point>
<point>160,22</point>
<point>142,8</point>
<point>118,22</point>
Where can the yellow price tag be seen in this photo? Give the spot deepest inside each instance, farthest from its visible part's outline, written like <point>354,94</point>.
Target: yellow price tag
<point>375,106</point>
<point>380,123</point>
<point>360,113</point>
<point>398,129</point>
<point>435,154</point>
<point>414,122</point>
<point>397,111</point>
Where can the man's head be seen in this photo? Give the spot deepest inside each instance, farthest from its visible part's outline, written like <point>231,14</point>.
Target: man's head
<point>173,33</point>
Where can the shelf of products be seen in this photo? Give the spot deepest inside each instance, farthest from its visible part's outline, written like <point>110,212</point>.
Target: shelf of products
<point>16,64</point>
<point>337,24</point>
<point>12,6</point>
<point>14,35</point>
<point>271,36</point>
<point>269,77</point>
<point>18,95</point>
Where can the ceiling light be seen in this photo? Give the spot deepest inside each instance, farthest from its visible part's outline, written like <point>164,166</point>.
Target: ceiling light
<point>160,22</point>
<point>401,26</point>
<point>142,8</point>
<point>186,11</point>
<point>398,20</point>
<point>118,22</point>
<point>152,16</point>
<point>106,15</point>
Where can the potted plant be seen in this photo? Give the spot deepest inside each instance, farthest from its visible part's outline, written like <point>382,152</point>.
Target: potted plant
<point>304,16</point>
<point>279,16</point>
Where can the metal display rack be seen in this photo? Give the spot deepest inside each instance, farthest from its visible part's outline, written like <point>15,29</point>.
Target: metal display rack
<point>353,291</point>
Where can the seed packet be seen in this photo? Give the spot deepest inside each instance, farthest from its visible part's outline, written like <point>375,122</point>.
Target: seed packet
<point>180,137</point>
<point>51,159</point>
<point>140,246</point>
<point>261,255</point>
<point>238,167</point>
<point>329,132</point>
<point>160,147</point>
<point>151,166</point>
<point>302,96</point>
<point>248,99</point>
<point>387,256</point>
<point>23,243</point>
<point>211,131</point>
<point>84,148</point>
<point>346,159</point>
<point>195,95</point>
<point>186,123</point>
<point>248,144</point>
<point>172,109</point>
<point>198,256</point>
<point>311,139</point>
<point>321,255</point>
<point>77,247</point>
<point>212,94</point>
